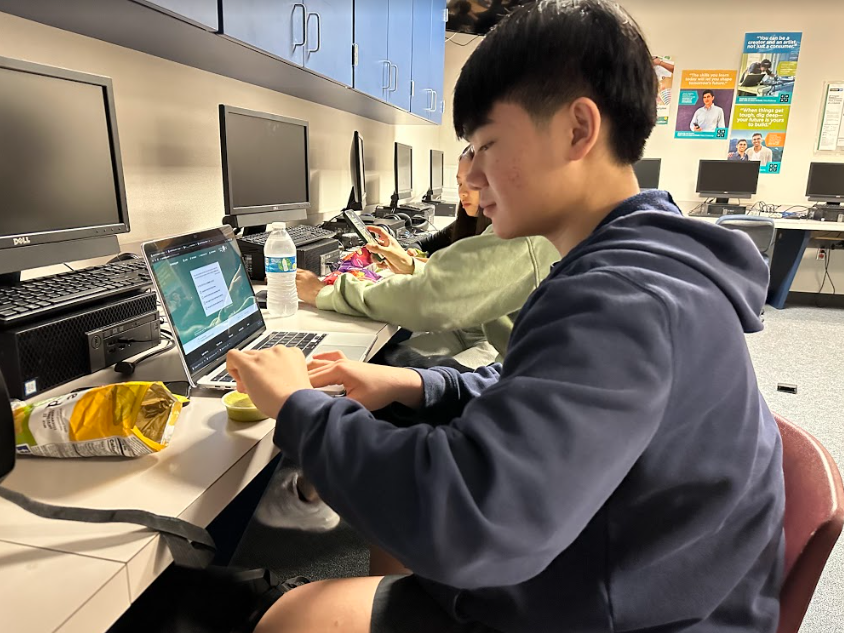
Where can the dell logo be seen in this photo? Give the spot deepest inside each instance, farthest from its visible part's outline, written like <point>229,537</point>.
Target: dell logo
<point>20,241</point>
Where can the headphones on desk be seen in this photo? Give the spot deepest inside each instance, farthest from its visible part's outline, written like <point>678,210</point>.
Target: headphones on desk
<point>398,215</point>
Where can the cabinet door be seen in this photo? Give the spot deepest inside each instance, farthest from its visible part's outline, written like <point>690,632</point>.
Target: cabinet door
<point>275,26</point>
<point>420,102</point>
<point>371,26</point>
<point>437,56</point>
<point>328,49</point>
<point>400,52</point>
<point>203,12</point>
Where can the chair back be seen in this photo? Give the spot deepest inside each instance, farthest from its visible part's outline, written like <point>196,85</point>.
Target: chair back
<point>760,230</point>
<point>814,515</point>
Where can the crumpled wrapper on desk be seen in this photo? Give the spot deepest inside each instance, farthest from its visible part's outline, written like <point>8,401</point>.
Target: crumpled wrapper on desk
<point>127,419</point>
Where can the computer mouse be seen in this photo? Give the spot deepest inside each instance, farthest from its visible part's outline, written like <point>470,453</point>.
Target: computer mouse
<point>122,257</point>
<point>261,298</point>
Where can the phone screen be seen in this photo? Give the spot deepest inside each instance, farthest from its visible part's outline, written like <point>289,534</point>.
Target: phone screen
<point>360,228</point>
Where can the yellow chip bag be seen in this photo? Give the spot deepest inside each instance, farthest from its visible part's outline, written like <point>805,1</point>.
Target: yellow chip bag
<point>128,419</point>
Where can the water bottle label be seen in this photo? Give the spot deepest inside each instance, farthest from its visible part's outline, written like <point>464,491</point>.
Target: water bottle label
<point>280,264</point>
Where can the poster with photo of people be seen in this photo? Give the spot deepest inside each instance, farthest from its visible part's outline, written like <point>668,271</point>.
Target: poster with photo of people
<point>664,69</point>
<point>705,104</point>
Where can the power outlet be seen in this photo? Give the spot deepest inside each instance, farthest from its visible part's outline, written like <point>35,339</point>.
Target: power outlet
<point>821,254</point>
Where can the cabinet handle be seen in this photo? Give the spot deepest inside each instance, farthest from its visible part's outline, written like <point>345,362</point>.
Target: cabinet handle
<point>430,93</point>
<point>394,85</point>
<point>318,31</point>
<point>389,68</point>
<point>304,23</point>
<point>434,102</point>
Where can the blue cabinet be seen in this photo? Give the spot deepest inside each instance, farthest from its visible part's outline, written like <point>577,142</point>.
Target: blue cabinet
<point>400,52</point>
<point>328,45</point>
<point>203,12</point>
<point>274,26</point>
<point>428,58</point>
<point>420,102</point>
<point>436,71</point>
<point>372,69</point>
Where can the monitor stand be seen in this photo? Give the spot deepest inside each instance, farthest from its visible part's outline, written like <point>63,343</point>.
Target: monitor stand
<point>722,206</point>
<point>353,204</point>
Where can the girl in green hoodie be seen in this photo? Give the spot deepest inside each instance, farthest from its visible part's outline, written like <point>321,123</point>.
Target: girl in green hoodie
<point>467,295</point>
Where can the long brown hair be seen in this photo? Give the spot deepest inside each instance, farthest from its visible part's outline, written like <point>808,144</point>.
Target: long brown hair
<point>465,225</point>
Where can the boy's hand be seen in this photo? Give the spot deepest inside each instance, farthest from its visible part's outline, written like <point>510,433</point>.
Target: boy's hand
<point>270,376</point>
<point>308,286</point>
<point>374,386</point>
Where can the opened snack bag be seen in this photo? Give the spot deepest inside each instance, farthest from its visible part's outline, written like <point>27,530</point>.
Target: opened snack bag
<point>128,419</point>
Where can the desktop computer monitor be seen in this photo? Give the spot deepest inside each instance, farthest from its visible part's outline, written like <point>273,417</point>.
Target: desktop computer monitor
<point>647,172</point>
<point>62,196</point>
<point>357,166</point>
<point>725,179</point>
<point>403,171</point>
<point>265,167</point>
<point>826,183</point>
<point>436,188</point>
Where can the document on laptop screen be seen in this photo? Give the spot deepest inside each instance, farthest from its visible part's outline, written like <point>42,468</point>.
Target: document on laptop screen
<point>207,296</point>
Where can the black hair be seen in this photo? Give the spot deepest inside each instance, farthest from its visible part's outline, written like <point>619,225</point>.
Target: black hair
<point>759,134</point>
<point>465,225</point>
<point>547,54</point>
<point>766,62</point>
<point>707,92</point>
<point>741,140</point>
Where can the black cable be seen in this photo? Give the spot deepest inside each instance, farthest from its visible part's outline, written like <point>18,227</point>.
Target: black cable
<point>127,368</point>
<point>70,268</point>
<point>826,276</point>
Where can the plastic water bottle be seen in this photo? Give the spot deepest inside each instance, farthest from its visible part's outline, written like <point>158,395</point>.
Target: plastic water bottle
<point>280,266</point>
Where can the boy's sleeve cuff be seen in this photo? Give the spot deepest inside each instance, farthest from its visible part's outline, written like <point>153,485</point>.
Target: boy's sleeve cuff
<point>296,416</point>
<point>323,298</point>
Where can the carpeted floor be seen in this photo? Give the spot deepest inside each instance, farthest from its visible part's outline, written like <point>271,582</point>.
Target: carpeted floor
<point>802,346</point>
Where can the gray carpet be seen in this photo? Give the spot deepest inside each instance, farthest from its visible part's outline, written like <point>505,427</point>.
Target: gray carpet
<point>805,346</point>
<point>802,346</point>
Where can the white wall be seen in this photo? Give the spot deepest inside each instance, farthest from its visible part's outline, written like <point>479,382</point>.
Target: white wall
<point>169,131</point>
<point>713,39</point>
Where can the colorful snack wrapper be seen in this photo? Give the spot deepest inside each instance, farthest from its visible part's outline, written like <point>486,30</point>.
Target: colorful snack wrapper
<point>127,419</point>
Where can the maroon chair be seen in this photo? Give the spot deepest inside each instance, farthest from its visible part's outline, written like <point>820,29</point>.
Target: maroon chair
<point>814,515</point>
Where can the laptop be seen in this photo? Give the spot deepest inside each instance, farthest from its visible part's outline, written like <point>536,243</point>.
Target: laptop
<point>211,306</point>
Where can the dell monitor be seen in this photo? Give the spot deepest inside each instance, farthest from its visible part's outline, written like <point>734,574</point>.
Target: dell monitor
<point>826,183</point>
<point>647,172</point>
<point>725,179</point>
<point>403,173</point>
<point>436,188</point>
<point>265,167</point>
<point>357,198</point>
<point>62,196</point>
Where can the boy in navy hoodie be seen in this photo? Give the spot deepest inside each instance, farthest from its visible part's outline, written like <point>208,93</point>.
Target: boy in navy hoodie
<point>621,471</point>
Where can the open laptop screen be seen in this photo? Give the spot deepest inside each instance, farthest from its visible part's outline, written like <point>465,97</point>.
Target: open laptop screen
<point>206,293</point>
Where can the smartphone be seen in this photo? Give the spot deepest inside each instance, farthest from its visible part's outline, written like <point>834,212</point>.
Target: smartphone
<point>360,228</point>
<point>179,388</point>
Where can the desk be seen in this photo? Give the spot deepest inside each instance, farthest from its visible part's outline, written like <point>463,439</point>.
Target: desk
<point>84,576</point>
<point>792,237</point>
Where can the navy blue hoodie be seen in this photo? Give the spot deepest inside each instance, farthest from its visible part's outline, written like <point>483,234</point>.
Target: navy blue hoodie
<point>621,472</point>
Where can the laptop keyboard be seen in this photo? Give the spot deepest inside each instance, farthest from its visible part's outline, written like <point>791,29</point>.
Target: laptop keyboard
<point>305,341</point>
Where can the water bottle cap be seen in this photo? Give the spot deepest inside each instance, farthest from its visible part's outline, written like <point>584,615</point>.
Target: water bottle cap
<point>278,226</point>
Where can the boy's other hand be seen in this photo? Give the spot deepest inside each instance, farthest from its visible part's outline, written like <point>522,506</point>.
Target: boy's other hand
<point>374,386</point>
<point>270,376</point>
<point>398,260</point>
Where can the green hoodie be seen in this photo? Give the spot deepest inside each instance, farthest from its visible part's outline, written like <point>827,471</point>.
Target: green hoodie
<point>482,280</point>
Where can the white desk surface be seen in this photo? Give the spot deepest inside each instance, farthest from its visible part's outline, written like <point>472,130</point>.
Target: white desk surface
<point>208,462</point>
<point>785,223</point>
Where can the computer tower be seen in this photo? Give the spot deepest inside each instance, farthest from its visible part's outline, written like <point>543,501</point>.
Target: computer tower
<point>318,256</point>
<point>40,355</point>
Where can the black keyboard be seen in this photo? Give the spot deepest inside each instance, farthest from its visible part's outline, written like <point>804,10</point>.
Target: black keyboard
<point>305,341</point>
<point>301,235</point>
<point>58,293</point>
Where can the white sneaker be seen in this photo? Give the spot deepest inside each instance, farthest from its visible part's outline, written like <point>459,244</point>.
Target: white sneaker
<point>283,507</point>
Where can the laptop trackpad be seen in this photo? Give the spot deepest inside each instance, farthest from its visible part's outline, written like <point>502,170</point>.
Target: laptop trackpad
<point>352,352</point>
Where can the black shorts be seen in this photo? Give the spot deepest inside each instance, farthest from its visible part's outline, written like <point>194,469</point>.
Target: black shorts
<point>401,605</point>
